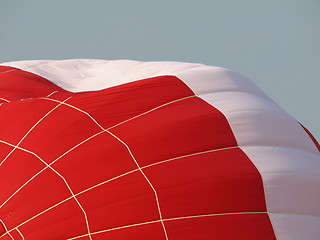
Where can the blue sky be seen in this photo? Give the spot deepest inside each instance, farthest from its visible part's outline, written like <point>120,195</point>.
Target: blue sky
<point>275,43</point>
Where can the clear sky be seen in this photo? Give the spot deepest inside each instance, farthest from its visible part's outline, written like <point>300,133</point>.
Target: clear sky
<point>275,43</point>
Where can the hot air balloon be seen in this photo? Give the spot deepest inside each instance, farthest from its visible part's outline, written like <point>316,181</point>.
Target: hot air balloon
<point>95,149</point>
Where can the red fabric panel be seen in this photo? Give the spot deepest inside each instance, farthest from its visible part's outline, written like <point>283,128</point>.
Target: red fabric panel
<point>216,182</point>
<point>19,84</point>
<point>4,150</point>
<point>17,118</point>
<point>6,237</point>
<point>85,237</point>
<point>16,170</point>
<point>150,231</point>
<point>177,129</point>
<point>228,227</point>
<point>57,224</point>
<point>128,100</point>
<point>6,69</point>
<point>42,192</point>
<point>128,200</point>
<point>2,229</point>
<point>108,159</point>
<point>61,96</point>
<point>16,236</point>
<point>64,128</point>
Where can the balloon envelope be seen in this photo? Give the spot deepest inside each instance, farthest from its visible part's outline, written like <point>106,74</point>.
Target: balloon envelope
<point>94,149</point>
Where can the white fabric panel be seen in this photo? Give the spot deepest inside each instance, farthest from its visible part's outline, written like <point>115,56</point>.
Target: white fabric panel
<point>295,227</point>
<point>209,79</point>
<point>291,178</point>
<point>257,120</point>
<point>78,75</point>
<point>90,74</point>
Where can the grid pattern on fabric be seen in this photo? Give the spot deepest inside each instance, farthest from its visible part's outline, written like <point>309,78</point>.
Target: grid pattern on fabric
<point>143,160</point>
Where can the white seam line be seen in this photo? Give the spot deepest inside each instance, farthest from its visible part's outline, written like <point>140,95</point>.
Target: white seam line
<point>71,106</point>
<point>151,110</point>
<point>31,130</point>
<point>3,99</point>
<point>109,180</point>
<point>37,215</point>
<point>117,228</point>
<point>189,155</point>
<point>20,233</point>
<point>213,215</point>
<point>167,219</point>
<point>51,93</point>
<point>65,181</point>
<point>34,154</point>
<point>127,120</point>
<point>144,175</point>
<point>11,70</point>
<point>79,204</point>
<point>6,229</point>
